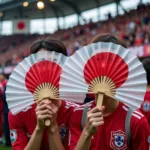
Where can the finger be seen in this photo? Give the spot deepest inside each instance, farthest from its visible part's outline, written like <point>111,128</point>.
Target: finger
<point>43,107</point>
<point>95,109</point>
<point>40,103</point>
<point>95,120</point>
<point>44,112</point>
<point>54,108</point>
<point>43,117</point>
<point>97,124</point>
<point>94,115</point>
<point>47,101</point>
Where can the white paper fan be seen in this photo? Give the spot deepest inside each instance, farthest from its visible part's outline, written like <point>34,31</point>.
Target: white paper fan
<point>35,78</point>
<point>104,68</point>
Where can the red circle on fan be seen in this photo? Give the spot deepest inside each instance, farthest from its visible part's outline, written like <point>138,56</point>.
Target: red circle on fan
<point>106,64</point>
<point>43,72</point>
<point>21,25</point>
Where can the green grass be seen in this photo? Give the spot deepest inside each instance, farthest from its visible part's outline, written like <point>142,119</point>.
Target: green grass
<point>5,148</point>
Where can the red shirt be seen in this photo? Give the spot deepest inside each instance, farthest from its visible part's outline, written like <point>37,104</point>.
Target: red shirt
<point>145,107</point>
<point>23,124</point>
<point>111,135</point>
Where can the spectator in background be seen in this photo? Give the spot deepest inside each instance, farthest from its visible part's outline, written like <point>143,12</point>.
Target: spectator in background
<point>3,80</point>
<point>76,45</point>
<point>146,19</point>
<point>145,107</point>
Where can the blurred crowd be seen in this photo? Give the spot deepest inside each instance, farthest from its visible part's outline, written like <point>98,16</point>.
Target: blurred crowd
<point>133,27</point>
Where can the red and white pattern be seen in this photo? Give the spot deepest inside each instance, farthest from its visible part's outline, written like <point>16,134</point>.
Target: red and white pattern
<point>42,67</point>
<point>99,60</point>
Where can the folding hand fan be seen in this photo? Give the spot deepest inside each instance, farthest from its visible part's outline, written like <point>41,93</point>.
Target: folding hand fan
<point>106,69</point>
<point>34,79</point>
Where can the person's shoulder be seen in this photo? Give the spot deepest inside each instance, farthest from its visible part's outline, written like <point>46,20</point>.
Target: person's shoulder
<point>81,107</point>
<point>70,105</point>
<point>136,115</point>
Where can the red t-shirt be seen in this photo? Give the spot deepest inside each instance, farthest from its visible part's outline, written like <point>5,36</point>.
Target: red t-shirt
<point>111,135</point>
<point>23,124</point>
<point>145,107</point>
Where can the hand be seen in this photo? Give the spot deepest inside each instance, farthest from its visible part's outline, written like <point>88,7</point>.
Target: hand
<point>94,120</point>
<point>43,112</point>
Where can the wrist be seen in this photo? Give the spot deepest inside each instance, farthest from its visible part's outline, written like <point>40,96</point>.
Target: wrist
<point>39,129</point>
<point>87,134</point>
<point>53,128</point>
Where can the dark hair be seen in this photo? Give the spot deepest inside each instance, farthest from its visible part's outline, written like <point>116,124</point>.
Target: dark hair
<point>108,38</point>
<point>146,65</point>
<point>49,44</point>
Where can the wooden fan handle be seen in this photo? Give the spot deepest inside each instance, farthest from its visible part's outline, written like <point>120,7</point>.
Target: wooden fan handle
<point>47,122</point>
<point>100,99</point>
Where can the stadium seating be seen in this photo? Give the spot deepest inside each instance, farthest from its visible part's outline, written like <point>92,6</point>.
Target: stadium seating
<point>133,27</point>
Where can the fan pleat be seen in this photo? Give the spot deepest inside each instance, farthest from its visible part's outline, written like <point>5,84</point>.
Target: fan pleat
<point>15,80</point>
<point>71,85</point>
<point>68,79</point>
<point>20,102</point>
<point>72,76</point>
<point>20,93</point>
<point>71,69</point>
<point>17,109</point>
<point>20,98</point>
<point>133,103</point>
<point>140,76</point>
<point>12,87</point>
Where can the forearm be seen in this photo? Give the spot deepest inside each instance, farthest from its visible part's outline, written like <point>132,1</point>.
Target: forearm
<point>54,139</point>
<point>84,141</point>
<point>35,141</point>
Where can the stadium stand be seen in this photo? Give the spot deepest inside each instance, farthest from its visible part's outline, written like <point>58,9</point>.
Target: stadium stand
<point>133,27</point>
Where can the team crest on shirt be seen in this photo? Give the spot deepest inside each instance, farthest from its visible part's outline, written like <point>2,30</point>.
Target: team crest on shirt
<point>62,131</point>
<point>118,140</point>
<point>146,106</point>
<point>13,136</point>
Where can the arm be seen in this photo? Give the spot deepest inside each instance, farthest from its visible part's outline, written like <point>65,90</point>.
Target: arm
<point>43,112</point>
<point>140,135</point>
<point>84,141</point>
<point>94,120</point>
<point>54,139</point>
<point>74,128</point>
<point>35,141</point>
<point>54,136</point>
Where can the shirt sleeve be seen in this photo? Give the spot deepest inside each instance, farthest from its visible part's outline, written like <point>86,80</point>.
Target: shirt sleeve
<point>18,135</point>
<point>140,135</point>
<point>74,129</point>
